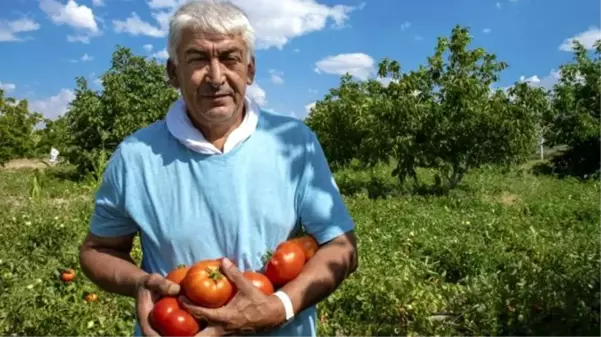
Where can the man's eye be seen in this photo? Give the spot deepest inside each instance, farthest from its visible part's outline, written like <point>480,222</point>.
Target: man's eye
<point>197,58</point>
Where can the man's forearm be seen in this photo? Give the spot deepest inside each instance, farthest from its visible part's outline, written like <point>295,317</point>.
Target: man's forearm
<point>112,271</point>
<point>324,272</point>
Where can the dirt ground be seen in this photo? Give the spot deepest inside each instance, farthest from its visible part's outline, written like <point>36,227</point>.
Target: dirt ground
<point>25,164</point>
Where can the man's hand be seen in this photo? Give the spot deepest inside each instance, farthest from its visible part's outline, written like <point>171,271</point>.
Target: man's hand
<point>249,311</point>
<point>148,291</point>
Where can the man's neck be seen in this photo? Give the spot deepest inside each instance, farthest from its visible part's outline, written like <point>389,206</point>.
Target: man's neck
<point>217,134</point>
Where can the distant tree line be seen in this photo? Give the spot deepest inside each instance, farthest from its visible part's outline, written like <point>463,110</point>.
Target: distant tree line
<point>443,116</point>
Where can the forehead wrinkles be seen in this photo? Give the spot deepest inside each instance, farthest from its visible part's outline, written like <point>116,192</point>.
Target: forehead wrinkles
<point>210,41</point>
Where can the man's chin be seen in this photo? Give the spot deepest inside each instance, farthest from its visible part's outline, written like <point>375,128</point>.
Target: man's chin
<point>219,113</point>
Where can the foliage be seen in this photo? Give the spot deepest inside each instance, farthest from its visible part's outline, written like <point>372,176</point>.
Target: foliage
<point>54,134</point>
<point>16,128</point>
<point>575,121</point>
<point>135,94</point>
<point>507,254</point>
<point>440,116</point>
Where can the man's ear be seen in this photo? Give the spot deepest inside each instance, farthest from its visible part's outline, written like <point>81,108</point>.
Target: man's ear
<point>251,71</point>
<point>171,73</point>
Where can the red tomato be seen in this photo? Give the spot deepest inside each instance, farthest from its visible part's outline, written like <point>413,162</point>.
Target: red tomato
<point>285,263</point>
<point>169,319</point>
<point>68,275</point>
<point>206,286</point>
<point>308,244</point>
<point>260,281</point>
<point>180,323</point>
<point>178,274</point>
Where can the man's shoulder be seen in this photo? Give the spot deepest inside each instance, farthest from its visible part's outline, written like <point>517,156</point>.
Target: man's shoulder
<point>144,140</point>
<point>282,125</point>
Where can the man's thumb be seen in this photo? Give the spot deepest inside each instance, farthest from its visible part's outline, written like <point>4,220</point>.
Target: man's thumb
<point>162,286</point>
<point>169,288</point>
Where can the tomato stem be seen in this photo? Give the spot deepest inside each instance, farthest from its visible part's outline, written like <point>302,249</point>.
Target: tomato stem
<point>267,256</point>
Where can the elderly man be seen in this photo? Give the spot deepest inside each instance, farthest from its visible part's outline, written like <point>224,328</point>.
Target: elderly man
<point>219,177</point>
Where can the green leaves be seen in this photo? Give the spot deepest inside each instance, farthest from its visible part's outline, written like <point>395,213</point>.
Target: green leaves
<point>135,94</point>
<point>16,129</point>
<point>440,116</point>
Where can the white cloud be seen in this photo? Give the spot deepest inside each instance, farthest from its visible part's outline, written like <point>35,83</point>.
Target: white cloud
<point>546,82</point>
<point>10,29</point>
<point>405,25</point>
<point>498,4</point>
<point>309,106</point>
<point>257,94</point>
<point>72,14</point>
<point>276,76</point>
<point>135,26</point>
<point>359,65</point>
<point>148,47</point>
<point>54,106</point>
<point>161,54</point>
<point>486,30</point>
<point>98,3</point>
<point>586,38</point>
<point>79,38</point>
<point>86,58</point>
<point>7,87</point>
<point>418,38</point>
<point>275,22</point>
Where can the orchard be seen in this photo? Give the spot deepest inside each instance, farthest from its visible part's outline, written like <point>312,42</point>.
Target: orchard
<point>463,229</point>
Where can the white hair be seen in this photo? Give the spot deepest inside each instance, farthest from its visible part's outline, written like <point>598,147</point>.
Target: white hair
<point>212,17</point>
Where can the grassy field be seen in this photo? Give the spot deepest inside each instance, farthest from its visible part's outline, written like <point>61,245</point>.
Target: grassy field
<point>507,253</point>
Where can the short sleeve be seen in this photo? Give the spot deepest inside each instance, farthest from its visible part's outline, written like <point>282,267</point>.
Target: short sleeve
<point>110,217</point>
<point>322,209</point>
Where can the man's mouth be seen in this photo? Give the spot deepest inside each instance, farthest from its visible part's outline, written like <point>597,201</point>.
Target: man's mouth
<point>216,95</point>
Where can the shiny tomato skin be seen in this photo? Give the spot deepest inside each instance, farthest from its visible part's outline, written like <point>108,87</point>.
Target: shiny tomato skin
<point>308,244</point>
<point>178,274</point>
<point>206,286</point>
<point>163,308</point>
<point>286,262</point>
<point>260,281</point>
<point>180,323</point>
<point>168,318</point>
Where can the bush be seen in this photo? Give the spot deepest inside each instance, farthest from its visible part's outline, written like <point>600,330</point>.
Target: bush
<point>514,254</point>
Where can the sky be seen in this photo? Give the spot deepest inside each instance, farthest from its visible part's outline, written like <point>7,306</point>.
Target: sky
<point>303,46</point>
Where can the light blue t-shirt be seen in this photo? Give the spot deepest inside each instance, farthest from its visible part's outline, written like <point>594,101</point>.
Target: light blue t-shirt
<point>189,206</point>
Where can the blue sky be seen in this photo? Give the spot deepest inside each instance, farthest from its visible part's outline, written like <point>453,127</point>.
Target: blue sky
<point>303,45</point>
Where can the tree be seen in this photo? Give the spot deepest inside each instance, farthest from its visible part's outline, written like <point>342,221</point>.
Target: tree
<point>135,94</point>
<point>575,121</point>
<point>342,122</point>
<point>441,116</point>
<point>16,129</point>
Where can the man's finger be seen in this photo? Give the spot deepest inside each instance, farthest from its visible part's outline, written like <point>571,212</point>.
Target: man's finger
<point>212,330</point>
<point>162,285</point>
<point>211,315</point>
<point>143,305</point>
<point>233,274</point>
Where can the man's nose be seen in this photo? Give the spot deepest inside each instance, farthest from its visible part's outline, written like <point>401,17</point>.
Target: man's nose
<point>215,74</point>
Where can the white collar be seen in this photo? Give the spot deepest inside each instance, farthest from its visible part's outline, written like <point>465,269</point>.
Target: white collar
<point>181,127</point>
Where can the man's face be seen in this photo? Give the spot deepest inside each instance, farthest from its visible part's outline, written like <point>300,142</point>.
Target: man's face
<point>212,74</point>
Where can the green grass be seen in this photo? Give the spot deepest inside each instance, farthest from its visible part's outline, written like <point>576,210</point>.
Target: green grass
<point>506,253</point>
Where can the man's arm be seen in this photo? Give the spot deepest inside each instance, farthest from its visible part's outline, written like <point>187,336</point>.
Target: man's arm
<point>105,253</point>
<point>332,263</point>
<point>107,262</point>
<point>324,216</point>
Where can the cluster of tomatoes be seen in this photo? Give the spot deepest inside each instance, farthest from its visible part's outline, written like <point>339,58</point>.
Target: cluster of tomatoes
<point>68,275</point>
<point>204,285</point>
